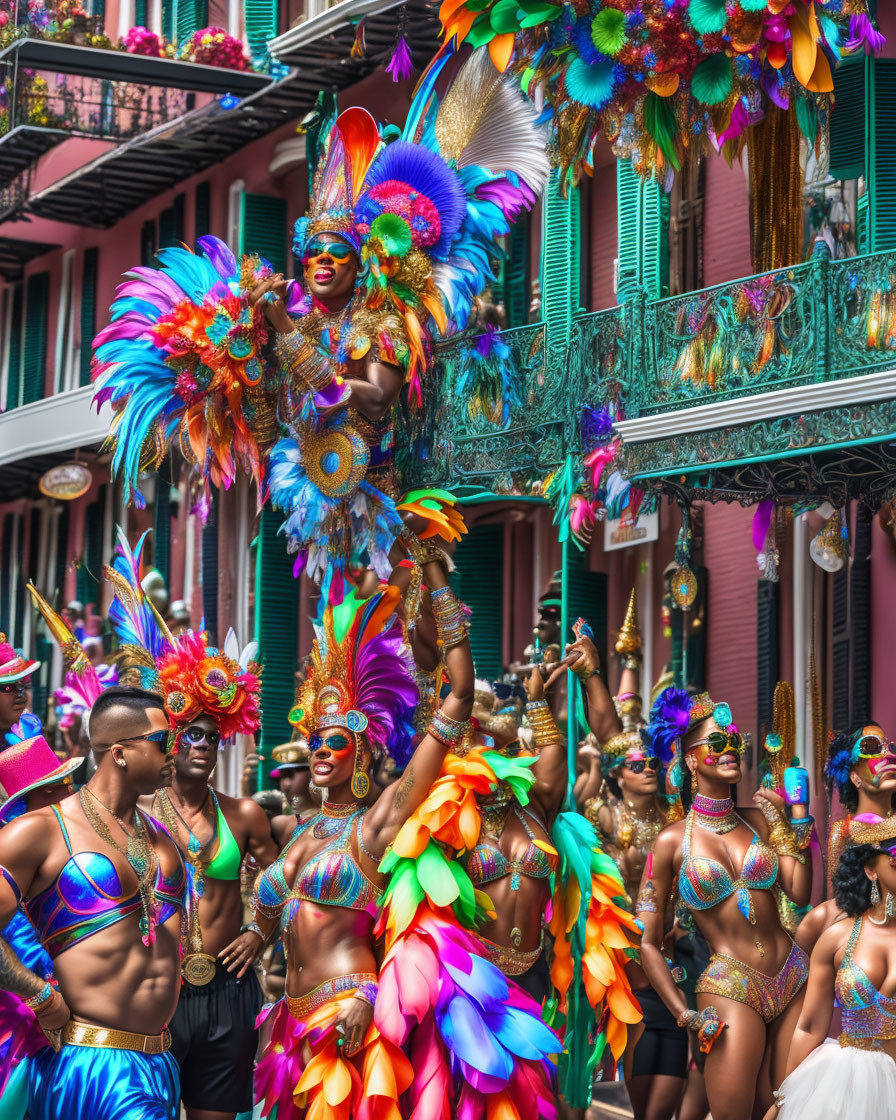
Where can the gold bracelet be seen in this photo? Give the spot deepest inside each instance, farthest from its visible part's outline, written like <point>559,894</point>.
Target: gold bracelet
<point>450,732</point>
<point>304,362</point>
<point>544,727</point>
<point>450,618</point>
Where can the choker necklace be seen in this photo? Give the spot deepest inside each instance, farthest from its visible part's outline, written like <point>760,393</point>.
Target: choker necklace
<point>333,809</point>
<point>715,814</point>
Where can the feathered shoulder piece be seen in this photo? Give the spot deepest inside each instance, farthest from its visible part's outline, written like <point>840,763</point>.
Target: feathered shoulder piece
<point>198,679</point>
<point>361,675</point>
<point>182,358</point>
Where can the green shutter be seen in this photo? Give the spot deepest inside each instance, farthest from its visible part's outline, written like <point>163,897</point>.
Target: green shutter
<point>148,244</point>
<point>171,224</point>
<point>643,235</point>
<point>139,13</point>
<point>276,626</point>
<point>190,16</point>
<point>14,376</point>
<point>478,581</point>
<point>168,19</point>
<point>88,311</point>
<point>560,261</point>
<point>202,212</point>
<point>848,118</point>
<point>882,158</point>
<point>88,573</point>
<point>35,350</point>
<point>766,654</point>
<point>6,570</point>
<point>261,25</point>
<point>161,535</point>
<point>263,228</point>
<point>587,598</point>
<point>61,552</point>
<point>516,274</point>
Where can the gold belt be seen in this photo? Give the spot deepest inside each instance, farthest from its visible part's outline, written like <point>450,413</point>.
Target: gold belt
<point>107,1038</point>
<point>512,962</point>
<point>300,1006</point>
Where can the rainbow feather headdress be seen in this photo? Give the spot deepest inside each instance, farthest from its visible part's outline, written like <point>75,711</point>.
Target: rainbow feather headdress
<point>361,676</point>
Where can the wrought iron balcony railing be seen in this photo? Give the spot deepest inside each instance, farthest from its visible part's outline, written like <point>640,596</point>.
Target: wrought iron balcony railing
<point>817,322</point>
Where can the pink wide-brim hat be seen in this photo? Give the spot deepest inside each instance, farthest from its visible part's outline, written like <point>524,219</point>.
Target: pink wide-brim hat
<point>27,766</point>
<point>13,666</point>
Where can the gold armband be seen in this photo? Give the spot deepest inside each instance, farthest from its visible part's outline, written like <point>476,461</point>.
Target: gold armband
<point>541,721</point>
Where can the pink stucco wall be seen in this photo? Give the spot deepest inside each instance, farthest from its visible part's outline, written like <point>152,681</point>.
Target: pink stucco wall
<point>726,230</point>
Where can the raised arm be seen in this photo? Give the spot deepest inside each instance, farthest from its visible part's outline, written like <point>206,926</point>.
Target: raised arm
<point>790,839</point>
<point>550,770</point>
<point>600,709</point>
<point>446,729</point>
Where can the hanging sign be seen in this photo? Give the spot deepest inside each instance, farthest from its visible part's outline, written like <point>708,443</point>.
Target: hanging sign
<point>623,532</point>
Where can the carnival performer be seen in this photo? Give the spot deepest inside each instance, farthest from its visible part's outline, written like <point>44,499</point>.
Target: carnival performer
<point>629,813</point>
<point>861,766</point>
<point>104,887</point>
<point>852,966</point>
<point>327,1056</point>
<point>15,680</point>
<point>726,866</point>
<point>293,774</point>
<point>398,241</point>
<point>210,696</point>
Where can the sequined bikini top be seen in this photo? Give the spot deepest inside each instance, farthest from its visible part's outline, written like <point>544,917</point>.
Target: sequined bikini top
<point>87,896</point>
<point>704,883</point>
<point>331,877</point>
<point>487,863</point>
<point>867,1016</point>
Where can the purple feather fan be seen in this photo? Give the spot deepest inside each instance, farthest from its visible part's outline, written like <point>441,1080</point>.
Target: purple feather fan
<point>669,718</point>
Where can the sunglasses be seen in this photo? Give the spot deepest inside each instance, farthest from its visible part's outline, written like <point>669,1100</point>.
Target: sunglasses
<point>20,686</point>
<point>338,250</point>
<point>192,736</point>
<point>337,745</point>
<point>163,739</point>
<point>638,765</point>
<point>872,746</point>
<point>721,742</point>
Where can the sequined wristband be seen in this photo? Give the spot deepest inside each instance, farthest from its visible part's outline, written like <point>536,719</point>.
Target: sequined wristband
<point>781,836</point>
<point>802,831</point>
<point>302,361</point>
<point>451,621</point>
<point>448,731</point>
<point>254,927</point>
<point>42,997</point>
<point>542,723</point>
<point>367,991</point>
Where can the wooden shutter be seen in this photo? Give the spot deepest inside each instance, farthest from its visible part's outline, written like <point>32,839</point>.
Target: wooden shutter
<point>14,375</point>
<point>61,551</point>
<point>140,7</point>
<point>560,261</point>
<point>88,573</point>
<point>18,589</point>
<point>202,213</point>
<point>882,158</point>
<point>168,19</point>
<point>686,205</point>
<point>190,16</point>
<point>171,223</point>
<point>848,118</point>
<point>161,535</point>
<point>88,311</point>
<point>587,598</point>
<point>860,619</point>
<point>276,628</point>
<point>478,582</point>
<point>261,25</point>
<point>516,274</point>
<point>840,716</point>
<point>210,568</point>
<point>766,653</point>
<point>263,228</point>
<point>643,235</point>
<point>148,244</point>
<point>34,365</point>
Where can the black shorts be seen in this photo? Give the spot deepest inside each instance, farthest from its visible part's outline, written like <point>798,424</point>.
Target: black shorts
<point>663,1047</point>
<point>536,980</point>
<point>213,1039</point>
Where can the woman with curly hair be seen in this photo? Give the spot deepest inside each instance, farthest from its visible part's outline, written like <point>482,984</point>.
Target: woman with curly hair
<point>727,866</point>
<point>853,965</point>
<point>861,766</point>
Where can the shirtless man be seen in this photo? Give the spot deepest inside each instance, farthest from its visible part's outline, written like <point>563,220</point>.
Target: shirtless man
<point>213,1031</point>
<point>118,968</point>
<point>293,772</point>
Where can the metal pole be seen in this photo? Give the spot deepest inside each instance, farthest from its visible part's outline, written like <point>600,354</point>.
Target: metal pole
<point>571,740</point>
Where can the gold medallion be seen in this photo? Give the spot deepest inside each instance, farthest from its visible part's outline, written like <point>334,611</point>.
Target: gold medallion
<point>336,460</point>
<point>198,969</point>
<point>683,587</point>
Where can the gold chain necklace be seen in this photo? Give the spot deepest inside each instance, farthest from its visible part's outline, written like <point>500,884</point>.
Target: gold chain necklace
<point>138,852</point>
<point>198,967</point>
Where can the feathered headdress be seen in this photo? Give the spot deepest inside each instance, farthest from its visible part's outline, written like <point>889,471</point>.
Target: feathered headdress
<point>139,628</point>
<point>361,676</point>
<point>197,679</point>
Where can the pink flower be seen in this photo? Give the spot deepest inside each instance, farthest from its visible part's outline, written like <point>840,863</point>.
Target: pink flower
<point>401,65</point>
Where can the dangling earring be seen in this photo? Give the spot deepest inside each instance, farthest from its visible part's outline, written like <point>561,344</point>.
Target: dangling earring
<point>360,781</point>
<point>875,893</point>
<point>891,906</point>
<point>693,783</point>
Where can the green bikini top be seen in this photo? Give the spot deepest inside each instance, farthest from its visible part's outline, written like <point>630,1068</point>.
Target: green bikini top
<point>226,864</point>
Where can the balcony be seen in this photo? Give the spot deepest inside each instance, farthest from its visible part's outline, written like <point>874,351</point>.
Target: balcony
<point>756,386</point>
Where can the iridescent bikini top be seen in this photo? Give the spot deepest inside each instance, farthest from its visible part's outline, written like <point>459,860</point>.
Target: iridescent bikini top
<point>704,883</point>
<point>487,863</point>
<point>87,896</point>
<point>331,877</point>
<point>867,1017</point>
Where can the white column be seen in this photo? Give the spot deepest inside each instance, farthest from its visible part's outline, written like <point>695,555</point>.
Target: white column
<point>63,324</point>
<point>802,621</point>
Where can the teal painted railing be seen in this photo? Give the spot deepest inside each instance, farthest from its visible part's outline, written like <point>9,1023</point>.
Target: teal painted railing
<point>817,321</point>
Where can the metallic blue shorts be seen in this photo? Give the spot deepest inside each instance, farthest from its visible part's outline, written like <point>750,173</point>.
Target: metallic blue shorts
<point>103,1084</point>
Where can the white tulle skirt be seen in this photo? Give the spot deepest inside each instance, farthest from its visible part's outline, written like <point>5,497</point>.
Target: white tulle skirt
<point>840,1083</point>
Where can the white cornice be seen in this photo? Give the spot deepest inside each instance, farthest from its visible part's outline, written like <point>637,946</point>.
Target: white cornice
<point>310,30</point>
<point>62,422</point>
<point>763,406</point>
